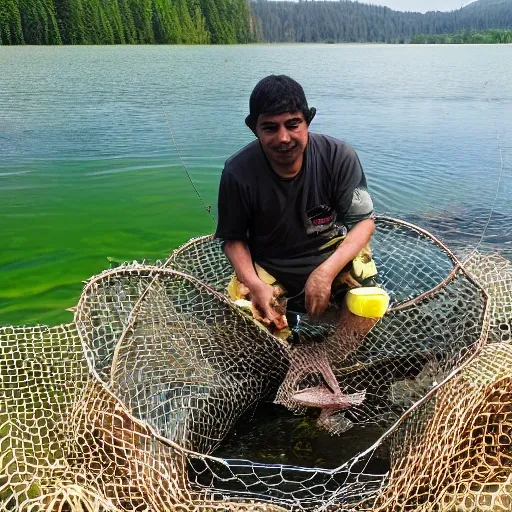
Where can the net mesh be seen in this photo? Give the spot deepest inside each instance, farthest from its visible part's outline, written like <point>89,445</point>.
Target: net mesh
<point>125,408</point>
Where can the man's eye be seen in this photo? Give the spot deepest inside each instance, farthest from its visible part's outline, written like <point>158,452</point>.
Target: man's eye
<point>292,126</point>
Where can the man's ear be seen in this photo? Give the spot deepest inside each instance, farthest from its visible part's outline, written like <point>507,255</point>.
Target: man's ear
<point>311,115</point>
<point>251,124</point>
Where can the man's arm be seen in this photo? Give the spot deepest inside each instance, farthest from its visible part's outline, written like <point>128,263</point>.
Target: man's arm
<point>232,225</point>
<point>319,283</point>
<point>262,294</point>
<point>355,207</point>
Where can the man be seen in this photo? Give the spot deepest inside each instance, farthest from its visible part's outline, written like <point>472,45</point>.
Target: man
<point>288,198</point>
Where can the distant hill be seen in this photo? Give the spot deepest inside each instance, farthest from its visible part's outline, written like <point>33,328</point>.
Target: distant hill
<point>487,3</point>
<point>485,14</point>
<point>350,21</point>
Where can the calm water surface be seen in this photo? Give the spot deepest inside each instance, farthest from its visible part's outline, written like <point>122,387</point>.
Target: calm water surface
<point>88,170</point>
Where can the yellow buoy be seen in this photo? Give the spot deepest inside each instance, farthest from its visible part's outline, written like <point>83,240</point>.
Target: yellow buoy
<point>368,301</point>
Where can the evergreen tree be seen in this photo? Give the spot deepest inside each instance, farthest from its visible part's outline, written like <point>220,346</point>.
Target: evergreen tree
<point>98,27</point>
<point>165,22</point>
<point>70,20</point>
<point>241,13</point>
<point>112,12</point>
<point>11,31</point>
<point>188,29</point>
<point>39,22</point>
<point>142,11</point>
<point>211,10</point>
<point>202,36</point>
<point>130,34</point>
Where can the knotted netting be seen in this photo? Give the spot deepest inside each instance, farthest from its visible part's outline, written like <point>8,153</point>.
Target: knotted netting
<point>125,408</point>
<point>428,291</point>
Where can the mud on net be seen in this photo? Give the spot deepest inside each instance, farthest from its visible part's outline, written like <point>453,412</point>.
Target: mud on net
<point>124,408</point>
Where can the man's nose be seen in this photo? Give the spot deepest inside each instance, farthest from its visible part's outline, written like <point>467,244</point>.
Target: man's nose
<point>283,135</point>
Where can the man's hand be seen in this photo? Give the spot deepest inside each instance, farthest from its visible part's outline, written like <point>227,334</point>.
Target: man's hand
<point>318,292</point>
<point>263,298</point>
<point>318,286</point>
<point>262,295</point>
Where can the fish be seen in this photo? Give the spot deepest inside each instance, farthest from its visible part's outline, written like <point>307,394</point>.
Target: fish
<point>330,404</point>
<point>327,400</point>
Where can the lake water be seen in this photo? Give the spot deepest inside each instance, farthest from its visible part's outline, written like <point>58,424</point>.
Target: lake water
<point>88,169</point>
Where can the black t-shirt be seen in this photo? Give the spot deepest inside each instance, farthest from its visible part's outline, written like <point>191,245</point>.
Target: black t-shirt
<point>285,222</point>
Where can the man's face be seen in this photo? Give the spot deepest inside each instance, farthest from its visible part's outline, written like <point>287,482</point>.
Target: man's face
<point>284,138</point>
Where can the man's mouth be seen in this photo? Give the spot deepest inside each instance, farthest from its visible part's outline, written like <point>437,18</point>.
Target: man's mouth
<point>286,150</point>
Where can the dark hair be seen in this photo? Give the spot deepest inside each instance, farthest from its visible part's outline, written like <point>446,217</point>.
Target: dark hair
<point>277,94</point>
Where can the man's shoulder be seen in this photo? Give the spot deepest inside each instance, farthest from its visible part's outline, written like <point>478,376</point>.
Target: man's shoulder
<point>244,160</point>
<point>330,145</point>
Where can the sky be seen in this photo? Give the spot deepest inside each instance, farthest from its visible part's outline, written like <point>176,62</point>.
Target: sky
<point>420,5</point>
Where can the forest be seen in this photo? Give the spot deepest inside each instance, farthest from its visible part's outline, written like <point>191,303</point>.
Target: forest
<point>55,22</point>
<point>347,21</point>
<point>466,37</point>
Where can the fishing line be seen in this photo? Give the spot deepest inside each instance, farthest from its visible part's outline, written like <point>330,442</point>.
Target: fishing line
<point>208,208</point>
<point>502,166</point>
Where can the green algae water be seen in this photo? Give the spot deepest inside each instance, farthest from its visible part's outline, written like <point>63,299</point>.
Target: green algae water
<point>89,173</point>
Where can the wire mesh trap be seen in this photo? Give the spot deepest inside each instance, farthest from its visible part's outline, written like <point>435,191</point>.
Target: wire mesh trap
<point>124,408</point>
